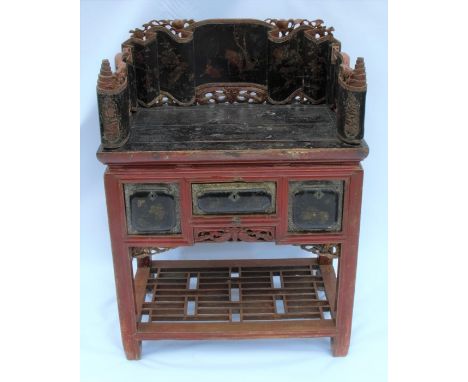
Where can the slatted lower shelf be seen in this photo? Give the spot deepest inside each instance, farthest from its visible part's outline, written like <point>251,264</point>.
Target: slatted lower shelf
<point>235,299</point>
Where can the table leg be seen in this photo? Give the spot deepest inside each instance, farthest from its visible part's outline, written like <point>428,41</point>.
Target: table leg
<point>347,269</point>
<point>122,268</point>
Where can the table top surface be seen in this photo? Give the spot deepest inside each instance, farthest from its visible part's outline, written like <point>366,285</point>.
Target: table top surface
<point>233,129</point>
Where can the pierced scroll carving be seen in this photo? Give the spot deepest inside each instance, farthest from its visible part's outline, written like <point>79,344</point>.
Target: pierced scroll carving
<point>230,93</point>
<point>165,98</point>
<point>315,30</point>
<point>234,234</point>
<point>177,28</point>
<point>139,253</point>
<point>297,96</point>
<point>330,251</point>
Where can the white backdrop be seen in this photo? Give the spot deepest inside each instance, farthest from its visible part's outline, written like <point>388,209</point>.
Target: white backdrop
<point>361,26</point>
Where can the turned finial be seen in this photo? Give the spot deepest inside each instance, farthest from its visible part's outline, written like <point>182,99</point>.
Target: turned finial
<point>106,78</point>
<point>106,68</point>
<point>357,77</point>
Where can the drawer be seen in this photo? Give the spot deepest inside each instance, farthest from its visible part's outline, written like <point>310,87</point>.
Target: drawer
<point>233,198</point>
<point>315,206</point>
<point>152,208</point>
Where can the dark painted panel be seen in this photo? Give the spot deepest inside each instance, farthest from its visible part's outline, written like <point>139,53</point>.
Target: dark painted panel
<point>285,67</point>
<point>175,62</point>
<point>145,58</point>
<point>315,206</point>
<point>233,198</point>
<point>316,68</point>
<point>230,53</point>
<point>152,208</point>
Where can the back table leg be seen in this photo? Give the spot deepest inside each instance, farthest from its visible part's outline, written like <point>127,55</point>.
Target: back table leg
<point>345,299</point>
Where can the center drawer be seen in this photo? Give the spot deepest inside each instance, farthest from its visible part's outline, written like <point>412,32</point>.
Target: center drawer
<point>233,198</point>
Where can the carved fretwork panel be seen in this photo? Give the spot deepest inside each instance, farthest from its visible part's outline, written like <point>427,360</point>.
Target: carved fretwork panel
<point>230,93</point>
<point>284,28</point>
<point>328,250</point>
<point>140,253</point>
<point>234,234</point>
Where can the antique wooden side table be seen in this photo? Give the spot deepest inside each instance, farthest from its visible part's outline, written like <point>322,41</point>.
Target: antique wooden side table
<point>233,130</point>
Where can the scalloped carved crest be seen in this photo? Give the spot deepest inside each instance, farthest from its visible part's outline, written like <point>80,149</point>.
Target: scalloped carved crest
<point>284,27</point>
<point>177,28</point>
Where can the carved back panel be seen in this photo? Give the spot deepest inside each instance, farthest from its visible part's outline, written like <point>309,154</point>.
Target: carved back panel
<point>185,62</point>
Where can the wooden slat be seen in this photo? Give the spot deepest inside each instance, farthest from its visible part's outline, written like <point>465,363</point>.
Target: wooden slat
<point>238,330</point>
<point>192,265</point>
<point>300,280</point>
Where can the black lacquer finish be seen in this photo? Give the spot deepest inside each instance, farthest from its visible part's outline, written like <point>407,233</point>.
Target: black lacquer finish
<point>114,119</point>
<point>350,115</point>
<point>175,62</point>
<point>145,67</point>
<point>233,198</point>
<point>315,206</point>
<point>152,208</point>
<point>232,52</point>
<point>233,127</point>
<point>285,68</point>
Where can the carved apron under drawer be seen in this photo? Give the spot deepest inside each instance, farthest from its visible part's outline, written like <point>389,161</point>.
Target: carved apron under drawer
<point>233,198</point>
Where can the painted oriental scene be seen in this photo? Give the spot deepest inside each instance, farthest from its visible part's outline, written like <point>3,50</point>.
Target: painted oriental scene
<point>226,131</point>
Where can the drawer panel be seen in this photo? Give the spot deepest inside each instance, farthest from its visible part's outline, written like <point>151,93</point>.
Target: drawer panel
<point>315,206</point>
<point>233,198</point>
<point>152,208</point>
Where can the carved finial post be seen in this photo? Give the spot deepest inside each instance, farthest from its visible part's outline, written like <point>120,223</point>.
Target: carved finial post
<point>351,100</point>
<point>357,78</point>
<point>113,105</point>
<point>106,78</point>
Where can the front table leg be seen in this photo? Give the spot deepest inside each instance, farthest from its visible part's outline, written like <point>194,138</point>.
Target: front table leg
<point>122,269</point>
<point>126,302</point>
<point>347,269</point>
